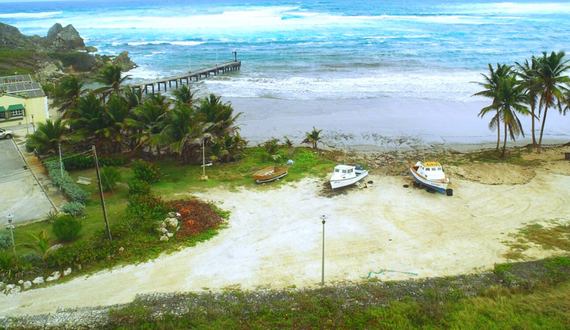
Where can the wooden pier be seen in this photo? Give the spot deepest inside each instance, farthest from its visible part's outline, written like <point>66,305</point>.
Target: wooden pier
<point>145,86</point>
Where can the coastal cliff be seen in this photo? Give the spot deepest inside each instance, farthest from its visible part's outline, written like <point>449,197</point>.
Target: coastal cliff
<point>60,52</point>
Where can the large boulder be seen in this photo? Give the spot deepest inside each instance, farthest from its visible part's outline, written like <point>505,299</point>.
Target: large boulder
<point>64,39</point>
<point>10,37</point>
<point>124,62</point>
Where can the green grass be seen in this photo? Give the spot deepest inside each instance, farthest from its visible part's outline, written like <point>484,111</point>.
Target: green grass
<point>368,306</point>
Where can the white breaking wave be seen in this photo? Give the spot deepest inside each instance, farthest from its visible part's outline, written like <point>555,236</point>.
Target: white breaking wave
<point>31,15</point>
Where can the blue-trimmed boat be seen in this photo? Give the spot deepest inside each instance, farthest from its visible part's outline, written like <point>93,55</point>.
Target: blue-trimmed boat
<point>431,175</point>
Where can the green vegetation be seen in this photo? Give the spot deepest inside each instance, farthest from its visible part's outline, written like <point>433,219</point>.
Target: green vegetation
<point>66,228</point>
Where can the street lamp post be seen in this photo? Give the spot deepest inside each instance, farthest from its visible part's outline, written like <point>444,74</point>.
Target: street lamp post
<point>323,217</point>
<point>11,226</point>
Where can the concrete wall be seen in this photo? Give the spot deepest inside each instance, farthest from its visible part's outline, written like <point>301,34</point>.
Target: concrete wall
<point>36,110</point>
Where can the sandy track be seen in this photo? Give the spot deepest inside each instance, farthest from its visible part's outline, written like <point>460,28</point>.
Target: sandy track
<point>274,239</point>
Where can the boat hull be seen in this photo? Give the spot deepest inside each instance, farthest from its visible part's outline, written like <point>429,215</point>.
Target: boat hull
<point>360,174</point>
<point>269,174</point>
<point>440,187</point>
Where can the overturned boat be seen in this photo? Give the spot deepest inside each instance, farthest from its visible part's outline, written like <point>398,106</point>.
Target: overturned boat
<point>431,175</point>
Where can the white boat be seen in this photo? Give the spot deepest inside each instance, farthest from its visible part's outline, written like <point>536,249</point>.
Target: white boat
<point>431,175</point>
<point>345,175</point>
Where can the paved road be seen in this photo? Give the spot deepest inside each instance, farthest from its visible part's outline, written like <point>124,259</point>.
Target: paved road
<point>19,192</point>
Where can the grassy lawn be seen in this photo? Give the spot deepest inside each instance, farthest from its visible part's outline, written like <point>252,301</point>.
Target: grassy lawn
<point>177,181</point>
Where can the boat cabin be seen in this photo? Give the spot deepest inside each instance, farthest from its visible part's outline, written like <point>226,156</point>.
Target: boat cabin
<point>344,169</point>
<point>431,171</point>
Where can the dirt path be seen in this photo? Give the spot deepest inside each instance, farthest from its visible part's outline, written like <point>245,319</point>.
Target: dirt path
<point>274,237</point>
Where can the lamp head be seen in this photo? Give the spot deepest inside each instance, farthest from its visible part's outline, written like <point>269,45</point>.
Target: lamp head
<point>10,217</point>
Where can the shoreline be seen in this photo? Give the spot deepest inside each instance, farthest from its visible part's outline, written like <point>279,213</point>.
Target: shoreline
<point>382,124</point>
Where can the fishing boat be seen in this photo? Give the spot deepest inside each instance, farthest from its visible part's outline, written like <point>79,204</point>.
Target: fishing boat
<point>345,175</point>
<point>431,175</point>
<point>270,173</point>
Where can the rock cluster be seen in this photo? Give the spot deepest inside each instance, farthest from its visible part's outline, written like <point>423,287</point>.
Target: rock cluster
<point>25,285</point>
<point>168,227</point>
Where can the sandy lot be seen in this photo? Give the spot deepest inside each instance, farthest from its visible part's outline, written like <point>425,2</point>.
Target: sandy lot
<point>274,236</point>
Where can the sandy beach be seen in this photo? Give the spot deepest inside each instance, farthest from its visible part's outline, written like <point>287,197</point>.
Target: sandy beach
<point>274,235</point>
<point>381,124</point>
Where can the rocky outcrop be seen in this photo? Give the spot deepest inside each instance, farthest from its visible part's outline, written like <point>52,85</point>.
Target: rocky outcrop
<point>124,62</point>
<point>10,37</point>
<point>64,39</point>
<point>61,51</point>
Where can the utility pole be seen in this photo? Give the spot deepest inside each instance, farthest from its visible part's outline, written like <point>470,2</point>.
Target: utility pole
<point>101,193</point>
<point>60,162</point>
<point>323,217</point>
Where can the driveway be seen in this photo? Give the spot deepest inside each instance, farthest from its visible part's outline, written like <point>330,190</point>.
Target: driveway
<point>20,193</point>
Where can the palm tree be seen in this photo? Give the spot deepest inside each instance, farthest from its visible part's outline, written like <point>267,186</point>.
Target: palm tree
<point>491,85</point>
<point>510,101</point>
<point>527,71</point>
<point>218,115</point>
<point>149,120</point>
<point>67,94</point>
<point>550,84</point>
<point>48,136</point>
<point>111,77</point>
<point>313,137</point>
<point>116,112</point>
<point>184,95</point>
<point>184,130</point>
<point>90,120</point>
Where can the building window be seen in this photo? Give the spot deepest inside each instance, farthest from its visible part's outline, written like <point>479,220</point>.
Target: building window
<point>2,115</point>
<point>17,113</point>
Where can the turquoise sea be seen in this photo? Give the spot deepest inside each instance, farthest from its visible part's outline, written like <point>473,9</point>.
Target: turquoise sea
<point>308,49</point>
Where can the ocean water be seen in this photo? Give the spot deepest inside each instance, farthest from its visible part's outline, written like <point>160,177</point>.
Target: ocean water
<point>312,50</point>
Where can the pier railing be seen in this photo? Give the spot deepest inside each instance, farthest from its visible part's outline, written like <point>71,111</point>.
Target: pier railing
<point>167,82</point>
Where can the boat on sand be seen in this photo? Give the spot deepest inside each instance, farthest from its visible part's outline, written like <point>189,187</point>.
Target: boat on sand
<point>270,173</point>
<point>345,175</point>
<point>432,176</point>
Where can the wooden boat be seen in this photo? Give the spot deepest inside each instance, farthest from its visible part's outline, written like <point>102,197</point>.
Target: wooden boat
<point>431,175</point>
<point>345,175</point>
<point>270,173</point>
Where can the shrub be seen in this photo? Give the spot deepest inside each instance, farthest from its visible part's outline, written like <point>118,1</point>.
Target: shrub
<point>65,183</point>
<point>109,177</point>
<point>5,239</point>
<point>146,172</point>
<point>33,259</point>
<point>75,209</point>
<point>271,146</point>
<point>138,187</point>
<point>78,162</point>
<point>66,227</point>
<point>146,208</point>
<point>113,160</point>
<point>95,248</point>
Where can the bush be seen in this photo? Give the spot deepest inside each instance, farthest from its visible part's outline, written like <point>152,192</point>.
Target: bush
<point>113,160</point>
<point>146,208</point>
<point>66,228</point>
<point>146,172</point>
<point>75,209</point>
<point>33,259</point>
<point>65,183</point>
<point>5,239</point>
<point>95,248</point>
<point>109,177</point>
<point>138,187</point>
<point>78,162</point>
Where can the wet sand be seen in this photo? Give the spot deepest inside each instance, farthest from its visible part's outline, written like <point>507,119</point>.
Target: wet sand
<point>382,124</point>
